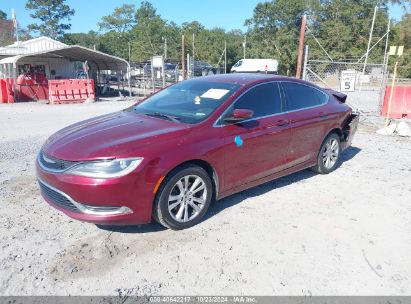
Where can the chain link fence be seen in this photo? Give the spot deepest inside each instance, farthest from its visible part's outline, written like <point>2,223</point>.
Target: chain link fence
<point>145,79</point>
<point>365,89</point>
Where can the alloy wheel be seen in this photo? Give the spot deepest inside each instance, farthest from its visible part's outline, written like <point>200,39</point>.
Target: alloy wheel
<point>187,198</point>
<point>330,153</point>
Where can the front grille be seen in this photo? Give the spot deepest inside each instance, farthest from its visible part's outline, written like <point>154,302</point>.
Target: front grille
<point>57,198</point>
<point>54,164</point>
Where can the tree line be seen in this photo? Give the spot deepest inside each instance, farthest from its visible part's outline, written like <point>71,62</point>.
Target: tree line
<point>338,27</point>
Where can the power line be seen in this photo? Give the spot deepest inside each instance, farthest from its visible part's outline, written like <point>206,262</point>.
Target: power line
<point>318,42</point>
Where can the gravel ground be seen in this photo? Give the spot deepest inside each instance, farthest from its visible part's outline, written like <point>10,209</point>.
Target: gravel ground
<point>344,233</point>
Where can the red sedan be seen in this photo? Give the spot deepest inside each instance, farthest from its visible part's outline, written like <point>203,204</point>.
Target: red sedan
<point>169,156</point>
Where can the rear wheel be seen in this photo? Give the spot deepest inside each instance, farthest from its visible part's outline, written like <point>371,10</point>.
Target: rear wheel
<point>184,198</point>
<point>329,155</point>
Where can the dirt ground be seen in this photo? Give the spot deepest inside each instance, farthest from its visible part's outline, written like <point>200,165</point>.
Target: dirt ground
<point>305,234</point>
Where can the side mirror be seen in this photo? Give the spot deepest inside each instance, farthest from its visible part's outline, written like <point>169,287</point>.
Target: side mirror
<point>239,115</point>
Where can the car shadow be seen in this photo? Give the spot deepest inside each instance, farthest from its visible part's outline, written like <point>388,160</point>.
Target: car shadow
<point>235,199</point>
<point>146,228</point>
<point>284,181</point>
<point>349,153</point>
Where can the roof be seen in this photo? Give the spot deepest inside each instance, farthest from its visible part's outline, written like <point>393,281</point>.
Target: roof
<point>245,78</point>
<point>41,39</point>
<point>97,60</point>
<point>30,46</point>
<point>12,59</point>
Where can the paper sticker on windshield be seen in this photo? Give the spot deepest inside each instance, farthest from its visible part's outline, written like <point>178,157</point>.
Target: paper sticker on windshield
<point>215,93</point>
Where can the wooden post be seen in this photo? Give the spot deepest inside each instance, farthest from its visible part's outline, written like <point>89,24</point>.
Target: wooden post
<point>183,64</point>
<point>301,47</point>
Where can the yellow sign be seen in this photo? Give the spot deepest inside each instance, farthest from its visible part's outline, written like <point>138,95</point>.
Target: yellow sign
<point>396,50</point>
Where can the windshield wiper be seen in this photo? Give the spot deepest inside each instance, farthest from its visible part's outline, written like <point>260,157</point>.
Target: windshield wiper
<point>162,115</point>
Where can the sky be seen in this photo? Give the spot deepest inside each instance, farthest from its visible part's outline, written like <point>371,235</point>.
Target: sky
<point>228,14</point>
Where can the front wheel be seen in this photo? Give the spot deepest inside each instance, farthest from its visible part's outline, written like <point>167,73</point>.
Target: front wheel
<point>183,198</point>
<point>329,155</point>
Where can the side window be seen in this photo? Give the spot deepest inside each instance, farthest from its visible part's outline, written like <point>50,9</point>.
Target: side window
<point>263,99</point>
<point>300,96</point>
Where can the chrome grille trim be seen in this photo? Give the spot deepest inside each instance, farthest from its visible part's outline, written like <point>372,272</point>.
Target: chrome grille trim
<point>51,164</point>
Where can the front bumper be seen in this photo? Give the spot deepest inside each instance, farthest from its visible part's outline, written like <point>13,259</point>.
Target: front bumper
<point>120,201</point>
<point>66,202</point>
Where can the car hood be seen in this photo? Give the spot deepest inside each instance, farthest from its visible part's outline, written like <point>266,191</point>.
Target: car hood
<point>119,134</point>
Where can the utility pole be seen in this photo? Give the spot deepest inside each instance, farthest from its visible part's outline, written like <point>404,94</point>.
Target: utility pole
<point>165,46</point>
<point>183,64</point>
<point>225,57</point>
<point>305,62</point>
<point>129,53</point>
<point>193,56</point>
<point>244,44</point>
<point>188,66</point>
<point>15,24</point>
<point>369,40</point>
<point>301,46</point>
<point>384,78</point>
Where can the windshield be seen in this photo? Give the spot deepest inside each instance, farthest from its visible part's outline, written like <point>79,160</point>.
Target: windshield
<point>169,66</point>
<point>189,101</point>
<point>239,63</point>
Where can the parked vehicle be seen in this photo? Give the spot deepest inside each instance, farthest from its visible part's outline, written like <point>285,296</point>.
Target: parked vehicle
<point>202,68</point>
<point>269,66</point>
<point>81,75</point>
<point>171,155</point>
<point>113,78</point>
<point>171,71</point>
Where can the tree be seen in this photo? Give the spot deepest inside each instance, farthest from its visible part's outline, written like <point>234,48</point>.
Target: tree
<point>343,28</point>
<point>116,29</point>
<point>3,15</point>
<point>88,40</point>
<point>51,14</point>
<point>148,32</point>
<point>121,20</point>
<point>273,31</point>
<point>402,36</point>
<point>6,32</point>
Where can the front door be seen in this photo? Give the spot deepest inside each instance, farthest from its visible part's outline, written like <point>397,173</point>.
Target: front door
<point>257,147</point>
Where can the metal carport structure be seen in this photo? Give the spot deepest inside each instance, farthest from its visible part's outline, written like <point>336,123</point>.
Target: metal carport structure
<point>98,61</point>
<point>101,61</point>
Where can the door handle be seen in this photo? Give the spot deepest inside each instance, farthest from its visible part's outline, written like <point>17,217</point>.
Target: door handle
<point>281,122</point>
<point>323,115</point>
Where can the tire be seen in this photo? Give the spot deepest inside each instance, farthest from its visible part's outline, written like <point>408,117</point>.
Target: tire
<point>179,206</point>
<point>329,155</point>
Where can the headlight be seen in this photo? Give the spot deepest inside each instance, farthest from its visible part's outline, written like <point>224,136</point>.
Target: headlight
<point>107,168</point>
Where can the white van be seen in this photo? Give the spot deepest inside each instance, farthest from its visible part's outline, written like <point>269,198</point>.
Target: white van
<point>269,66</point>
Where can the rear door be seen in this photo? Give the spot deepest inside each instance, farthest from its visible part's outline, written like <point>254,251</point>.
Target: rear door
<point>309,117</point>
<point>257,147</point>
